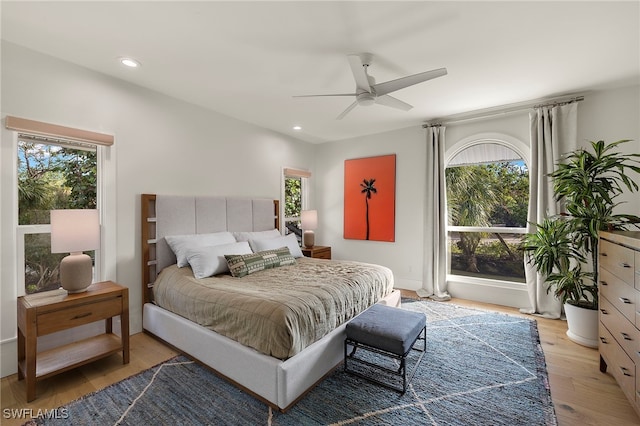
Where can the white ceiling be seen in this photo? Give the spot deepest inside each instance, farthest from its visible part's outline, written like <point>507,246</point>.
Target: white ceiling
<point>248,59</point>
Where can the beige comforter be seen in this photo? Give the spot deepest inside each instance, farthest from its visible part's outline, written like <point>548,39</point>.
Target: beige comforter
<point>278,311</point>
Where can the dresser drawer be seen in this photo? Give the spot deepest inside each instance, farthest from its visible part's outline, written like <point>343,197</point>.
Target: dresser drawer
<point>622,330</point>
<point>619,365</point>
<point>619,293</point>
<point>637,270</point>
<point>618,260</point>
<point>74,316</point>
<point>638,310</point>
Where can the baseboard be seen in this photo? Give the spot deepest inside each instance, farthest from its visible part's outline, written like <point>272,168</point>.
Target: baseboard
<point>515,296</point>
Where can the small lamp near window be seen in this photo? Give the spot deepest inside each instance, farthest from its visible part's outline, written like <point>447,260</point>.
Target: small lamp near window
<point>74,231</point>
<point>309,219</point>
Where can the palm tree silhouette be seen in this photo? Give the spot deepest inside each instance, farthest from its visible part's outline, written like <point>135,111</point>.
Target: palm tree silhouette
<point>368,189</point>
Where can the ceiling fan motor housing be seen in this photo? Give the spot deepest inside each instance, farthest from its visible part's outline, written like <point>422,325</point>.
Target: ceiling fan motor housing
<point>366,98</point>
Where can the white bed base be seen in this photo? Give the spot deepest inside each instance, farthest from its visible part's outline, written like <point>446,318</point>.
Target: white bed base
<point>280,383</point>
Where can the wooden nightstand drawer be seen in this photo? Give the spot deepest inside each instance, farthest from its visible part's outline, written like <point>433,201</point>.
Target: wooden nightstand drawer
<point>63,319</point>
<point>317,252</point>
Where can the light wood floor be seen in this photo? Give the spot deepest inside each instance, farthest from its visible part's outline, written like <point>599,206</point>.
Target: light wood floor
<point>581,394</point>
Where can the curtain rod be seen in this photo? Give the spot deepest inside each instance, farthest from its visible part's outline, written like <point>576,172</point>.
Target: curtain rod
<point>502,110</point>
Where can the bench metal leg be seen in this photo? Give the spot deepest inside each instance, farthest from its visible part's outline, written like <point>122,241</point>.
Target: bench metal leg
<point>402,371</point>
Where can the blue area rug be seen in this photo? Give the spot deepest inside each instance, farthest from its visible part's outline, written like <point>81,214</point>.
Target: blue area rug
<point>481,368</point>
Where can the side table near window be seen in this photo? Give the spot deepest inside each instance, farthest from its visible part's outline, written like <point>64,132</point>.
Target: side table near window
<point>51,311</point>
<point>317,252</point>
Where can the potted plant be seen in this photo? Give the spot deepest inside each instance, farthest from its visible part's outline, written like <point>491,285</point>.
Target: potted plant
<point>588,183</point>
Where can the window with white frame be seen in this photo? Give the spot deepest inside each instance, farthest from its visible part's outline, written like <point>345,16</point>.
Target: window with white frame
<point>487,201</point>
<point>51,174</point>
<point>294,199</point>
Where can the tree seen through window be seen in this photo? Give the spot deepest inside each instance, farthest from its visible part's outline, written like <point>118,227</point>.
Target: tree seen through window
<point>50,176</point>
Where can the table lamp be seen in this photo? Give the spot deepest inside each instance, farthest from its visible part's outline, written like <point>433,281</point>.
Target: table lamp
<point>74,231</point>
<point>309,219</point>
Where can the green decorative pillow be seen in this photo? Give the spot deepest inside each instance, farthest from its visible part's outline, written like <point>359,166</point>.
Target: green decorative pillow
<point>245,264</point>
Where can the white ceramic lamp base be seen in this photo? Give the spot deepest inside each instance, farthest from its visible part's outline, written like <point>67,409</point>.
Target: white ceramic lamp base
<point>76,272</point>
<point>308,239</point>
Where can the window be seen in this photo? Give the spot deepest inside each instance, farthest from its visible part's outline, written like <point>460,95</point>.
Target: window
<point>295,190</point>
<point>51,174</point>
<point>487,202</point>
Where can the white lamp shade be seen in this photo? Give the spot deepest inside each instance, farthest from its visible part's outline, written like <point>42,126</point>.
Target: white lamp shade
<point>309,219</point>
<point>74,230</point>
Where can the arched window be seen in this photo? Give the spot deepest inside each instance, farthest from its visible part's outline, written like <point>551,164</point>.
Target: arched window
<point>487,181</point>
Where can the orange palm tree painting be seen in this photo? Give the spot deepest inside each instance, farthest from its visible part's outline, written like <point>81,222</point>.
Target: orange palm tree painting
<point>373,179</point>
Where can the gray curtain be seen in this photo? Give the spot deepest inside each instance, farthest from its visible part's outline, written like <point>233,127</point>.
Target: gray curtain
<point>553,132</point>
<point>434,280</point>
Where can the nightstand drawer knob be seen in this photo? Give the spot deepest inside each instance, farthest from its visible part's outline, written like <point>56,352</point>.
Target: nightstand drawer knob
<point>625,300</point>
<point>82,316</point>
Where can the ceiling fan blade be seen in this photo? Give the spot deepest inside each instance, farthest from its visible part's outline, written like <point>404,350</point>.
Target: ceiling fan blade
<point>346,111</point>
<point>334,94</point>
<point>401,83</point>
<point>359,73</point>
<point>392,102</point>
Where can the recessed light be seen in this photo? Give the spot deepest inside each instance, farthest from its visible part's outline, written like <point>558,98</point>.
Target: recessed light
<point>297,128</point>
<point>129,62</point>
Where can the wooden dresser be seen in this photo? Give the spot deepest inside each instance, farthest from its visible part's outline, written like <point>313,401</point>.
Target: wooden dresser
<point>619,316</point>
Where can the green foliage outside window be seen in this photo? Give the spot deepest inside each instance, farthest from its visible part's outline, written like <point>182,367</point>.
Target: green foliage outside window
<point>292,197</point>
<point>484,195</point>
<point>50,177</point>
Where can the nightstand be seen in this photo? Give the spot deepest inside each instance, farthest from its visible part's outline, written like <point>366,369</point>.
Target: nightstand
<point>317,252</point>
<point>50,311</point>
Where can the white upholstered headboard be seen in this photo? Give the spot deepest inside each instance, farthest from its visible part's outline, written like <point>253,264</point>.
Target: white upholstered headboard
<point>164,215</point>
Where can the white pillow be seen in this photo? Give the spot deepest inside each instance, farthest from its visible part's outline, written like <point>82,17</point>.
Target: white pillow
<point>210,260</point>
<point>257,235</point>
<point>180,244</point>
<point>290,241</point>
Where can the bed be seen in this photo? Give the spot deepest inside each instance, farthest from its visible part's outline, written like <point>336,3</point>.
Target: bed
<point>274,372</point>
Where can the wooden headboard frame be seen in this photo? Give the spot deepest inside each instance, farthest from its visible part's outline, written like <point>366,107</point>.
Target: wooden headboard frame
<point>194,215</point>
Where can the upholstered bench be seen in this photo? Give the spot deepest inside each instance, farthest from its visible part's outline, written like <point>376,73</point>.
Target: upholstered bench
<point>387,331</point>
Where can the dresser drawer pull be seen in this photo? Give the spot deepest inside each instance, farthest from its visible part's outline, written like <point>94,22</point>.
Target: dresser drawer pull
<point>81,315</point>
<point>625,372</point>
<point>625,336</point>
<point>625,265</point>
<point>604,311</point>
<point>604,340</point>
<point>603,254</point>
<point>625,300</point>
<point>603,283</point>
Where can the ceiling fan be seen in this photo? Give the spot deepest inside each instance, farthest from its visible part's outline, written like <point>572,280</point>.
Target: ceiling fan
<point>369,93</point>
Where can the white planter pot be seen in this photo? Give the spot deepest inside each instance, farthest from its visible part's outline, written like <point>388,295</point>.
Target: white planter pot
<point>583,325</point>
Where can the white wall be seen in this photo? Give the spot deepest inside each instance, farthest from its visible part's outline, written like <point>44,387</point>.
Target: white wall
<point>608,114</point>
<point>404,256</point>
<point>612,115</point>
<point>162,145</point>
